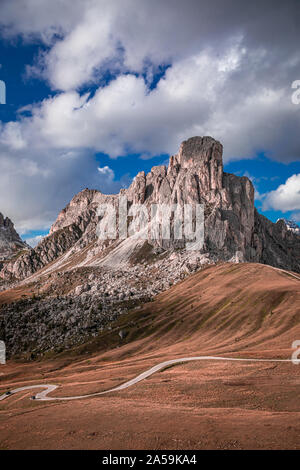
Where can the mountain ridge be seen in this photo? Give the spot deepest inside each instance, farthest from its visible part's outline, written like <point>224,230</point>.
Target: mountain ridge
<point>234,230</point>
<point>10,241</point>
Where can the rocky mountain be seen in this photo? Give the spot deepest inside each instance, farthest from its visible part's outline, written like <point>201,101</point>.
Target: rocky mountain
<point>291,225</point>
<point>234,230</point>
<point>10,241</point>
<point>73,285</point>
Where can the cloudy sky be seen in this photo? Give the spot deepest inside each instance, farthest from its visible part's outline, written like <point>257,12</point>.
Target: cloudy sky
<point>98,90</point>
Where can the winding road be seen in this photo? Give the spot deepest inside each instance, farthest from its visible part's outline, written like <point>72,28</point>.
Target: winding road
<point>43,396</point>
<point>48,388</point>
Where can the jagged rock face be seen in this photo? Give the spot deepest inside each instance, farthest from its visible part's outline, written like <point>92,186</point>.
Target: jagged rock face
<point>49,249</point>
<point>195,175</point>
<point>233,228</point>
<point>275,244</point>
<point>74,229</point>
<point>203,155</point>
<point>10,241</point>
<point>291,225</point>
<point>79,211</point>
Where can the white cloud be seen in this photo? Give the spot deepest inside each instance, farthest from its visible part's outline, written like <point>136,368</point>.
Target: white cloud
<point>35,185</point>
<point>40,19</point>
<point>286,197</point>
<point>197,96</point>
<point>230,75</point>
<point>74,60</point>
<point>11,136</point>
<point>87,36</point>
<point>106,171</point>
<point>33,241</point>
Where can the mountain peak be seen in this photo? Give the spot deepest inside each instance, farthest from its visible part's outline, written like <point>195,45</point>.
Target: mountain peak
<point>233,229</point>
<point>5,221</point>
<point>197,149</point>
<point>203,156</point>
<point>10,241</point>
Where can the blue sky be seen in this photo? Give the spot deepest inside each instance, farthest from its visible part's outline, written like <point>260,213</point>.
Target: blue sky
<point>90,103</point>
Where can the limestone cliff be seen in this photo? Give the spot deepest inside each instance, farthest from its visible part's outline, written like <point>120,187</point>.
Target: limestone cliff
<point>234,230</point>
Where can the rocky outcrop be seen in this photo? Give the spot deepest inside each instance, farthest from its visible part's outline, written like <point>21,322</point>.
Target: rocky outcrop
<point>70,313</point>
<point>275,244</point>
<point>80,211</point>
<point>291,225</point>
<point>75,228</point>
<point>10,241</point>
<point>234,230</point>
<point>49,249</point>
<point>195,175</point>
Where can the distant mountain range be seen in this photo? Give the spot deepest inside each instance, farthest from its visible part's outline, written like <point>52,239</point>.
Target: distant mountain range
<point>291,225</point>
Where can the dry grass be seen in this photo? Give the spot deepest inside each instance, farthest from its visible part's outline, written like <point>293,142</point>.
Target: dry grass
<point>246,310</point>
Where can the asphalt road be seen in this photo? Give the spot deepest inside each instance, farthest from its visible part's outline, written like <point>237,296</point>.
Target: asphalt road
<point>48,388</point>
